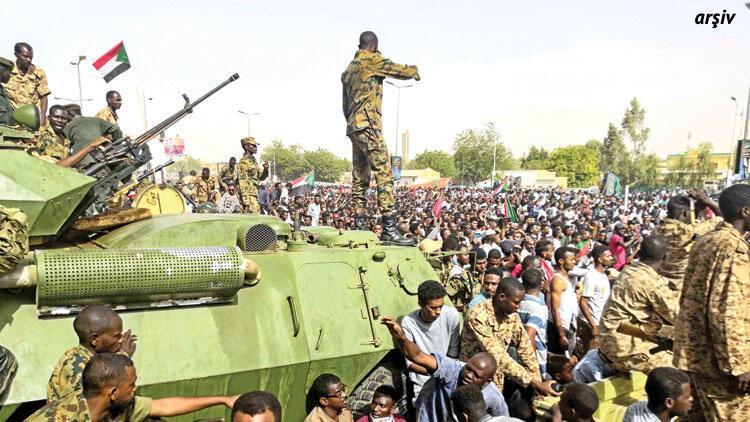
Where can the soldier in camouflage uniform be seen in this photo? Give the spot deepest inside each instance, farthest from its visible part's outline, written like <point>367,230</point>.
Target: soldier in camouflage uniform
<point>206,187</point>
<point>14,244</point>
<point>51,141</point>
<point>28,83</point>
<point>110,396</point>
<point>109,113</point>
<point>99,330</point>
<point>6,110</point>
<point>249,174</point>
<point>711,333</point>
<point>229,174</point>
<point>493,326</point>
<point>460,284</point>
<point>640,297</point>
<point>362,102</point>
<point>680,229</point>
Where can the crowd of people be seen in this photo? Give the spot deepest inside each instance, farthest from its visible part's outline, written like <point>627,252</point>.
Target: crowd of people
<point>550,290</point>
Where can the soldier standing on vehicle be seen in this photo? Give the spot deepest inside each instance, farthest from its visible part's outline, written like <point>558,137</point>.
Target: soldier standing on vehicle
<point>109,113</point>
<point>6,66</point>
<point>680,229</point>
<point>362,102</point>
<point>711,332</point>
<point>249,174</point>
<point>28,83</point>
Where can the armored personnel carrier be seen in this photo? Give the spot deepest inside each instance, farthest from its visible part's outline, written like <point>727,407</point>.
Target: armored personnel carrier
<point>221,303</point>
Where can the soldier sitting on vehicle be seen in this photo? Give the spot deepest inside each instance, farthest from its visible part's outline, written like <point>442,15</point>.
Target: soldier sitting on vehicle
<point>99,330</point>
<point>326,400</point>
<point>108,393</point>
<point>256,406</point>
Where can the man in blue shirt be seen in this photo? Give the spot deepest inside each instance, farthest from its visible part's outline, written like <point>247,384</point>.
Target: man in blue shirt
<point>434,403</point>
<point>490,282</point>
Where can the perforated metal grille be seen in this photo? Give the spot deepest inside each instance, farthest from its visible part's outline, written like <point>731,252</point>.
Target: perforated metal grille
<point>260,238</point>
<point>137,275</point>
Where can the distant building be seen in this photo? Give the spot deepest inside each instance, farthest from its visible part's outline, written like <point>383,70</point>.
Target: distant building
<point>536,178</point>
<point>721,160</point>
<point>410,177</point>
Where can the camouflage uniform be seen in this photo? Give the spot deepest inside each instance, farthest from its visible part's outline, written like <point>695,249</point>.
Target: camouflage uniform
<point>6,109</point>
<point>107,114</point>
<point>28,88</point>
<point>483,332</point>
<point>461,286</point>
<point>14,238</point>
<point>711,333</point>
<point>680,238</point>
<point>362,101</point>
<point>249,175</point>
<point>74,408</point>
<point>66,377</point>
<point>640,297</point>
<point>50,145</point>
<point>228,175</point>
<point>205,190</point>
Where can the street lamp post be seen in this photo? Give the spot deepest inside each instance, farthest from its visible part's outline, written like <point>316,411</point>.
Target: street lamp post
<point>77,64</point>
<point>398,106</point>
<point>248,119</point>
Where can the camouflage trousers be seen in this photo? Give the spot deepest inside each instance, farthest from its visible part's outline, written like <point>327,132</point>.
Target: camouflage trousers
<point>14,238</point>
<point>370,156</point>
<point>251,204</point>
<point>720,399</point>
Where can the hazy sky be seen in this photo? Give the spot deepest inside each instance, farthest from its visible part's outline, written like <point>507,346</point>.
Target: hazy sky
<point>548,73</point>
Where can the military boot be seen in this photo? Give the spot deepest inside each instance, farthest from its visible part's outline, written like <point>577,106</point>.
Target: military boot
<point>391,234</point>
<point>8,367</point>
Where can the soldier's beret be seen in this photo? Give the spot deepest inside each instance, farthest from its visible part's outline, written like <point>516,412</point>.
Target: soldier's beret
<point>6,63</point>
<point>248,140</point>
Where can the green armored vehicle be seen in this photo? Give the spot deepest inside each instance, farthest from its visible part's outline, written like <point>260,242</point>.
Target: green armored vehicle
<point>221,303</point>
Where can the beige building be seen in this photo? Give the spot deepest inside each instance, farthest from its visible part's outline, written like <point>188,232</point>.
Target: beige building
<point>536,178</point>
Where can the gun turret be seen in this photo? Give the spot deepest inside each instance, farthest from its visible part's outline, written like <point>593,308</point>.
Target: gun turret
<point>117,162</point>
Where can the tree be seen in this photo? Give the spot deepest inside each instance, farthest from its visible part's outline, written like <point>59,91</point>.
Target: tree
<point>650,176</point>
<point>703,167</point>
<point>290,163</point>
<point>473,153</point>
<point>576,162</point>
<point>440,161</point>
<point>613,152</point>
<point>536,159</point>
<point>634,124</point>
<point>184,165</point>
<point>328,166</point>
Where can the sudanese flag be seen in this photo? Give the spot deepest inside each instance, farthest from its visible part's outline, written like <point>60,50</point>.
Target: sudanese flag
<point>113,62</point>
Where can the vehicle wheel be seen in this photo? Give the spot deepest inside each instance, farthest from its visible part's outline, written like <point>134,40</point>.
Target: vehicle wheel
<point>387,373</point>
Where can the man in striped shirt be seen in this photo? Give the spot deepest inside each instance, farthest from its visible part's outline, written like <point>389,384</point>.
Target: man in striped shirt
<point>534,314</point>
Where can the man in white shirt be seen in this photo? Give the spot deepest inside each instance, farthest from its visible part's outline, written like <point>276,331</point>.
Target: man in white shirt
<point>435,328</point>
<point>313,210</point>
<point>596,288</point>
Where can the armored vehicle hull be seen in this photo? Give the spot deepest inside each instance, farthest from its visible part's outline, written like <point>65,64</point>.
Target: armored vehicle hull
<point>311,311</point>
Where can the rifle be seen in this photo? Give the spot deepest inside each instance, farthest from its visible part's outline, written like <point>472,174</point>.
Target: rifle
<point>662,343</point>
<point>117,162</point>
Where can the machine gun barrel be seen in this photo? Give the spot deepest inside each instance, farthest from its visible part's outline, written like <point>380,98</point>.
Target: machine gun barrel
<point>154,170</point>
